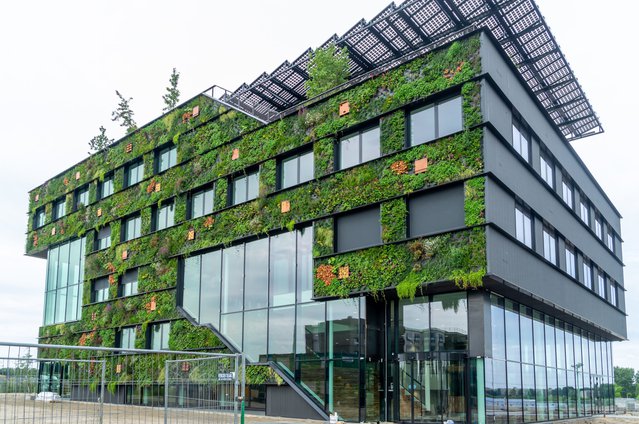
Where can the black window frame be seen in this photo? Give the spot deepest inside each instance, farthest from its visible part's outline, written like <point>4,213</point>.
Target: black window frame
<point>127,274</point>
<point>123,232</point>
<point>97,245</point>
<point>155,215</point>
<point>545,157</point>
<point>127,172</point>
<point>150,332</point>
<point>80,191</point>
<point>552,233</point>
<point>119,336</point>
<point>523,130</point>
<point>94,290</point>
<point>110,177</point>
<point>359,133</point>
<point>296,157</point>
<point>526,212</point>
<point>55,213</point>
<point>39,217</point>
<point>437,133</point>
<point>231,191</point>
<point>191,197</point>
<point>158,157</point>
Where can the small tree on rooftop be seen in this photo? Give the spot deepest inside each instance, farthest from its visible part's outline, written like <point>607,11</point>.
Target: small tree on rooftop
<point>100,141</point>
<point>172,96</point>
<point>123,114</point>
<point>327,68</point>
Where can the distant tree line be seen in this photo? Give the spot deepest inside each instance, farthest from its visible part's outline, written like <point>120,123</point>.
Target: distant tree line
<point>626,380</point>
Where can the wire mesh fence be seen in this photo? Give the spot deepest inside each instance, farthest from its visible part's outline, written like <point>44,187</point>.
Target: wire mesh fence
<point>49,384</point>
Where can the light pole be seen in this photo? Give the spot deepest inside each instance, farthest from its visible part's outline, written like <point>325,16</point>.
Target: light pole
<point>576,367</point>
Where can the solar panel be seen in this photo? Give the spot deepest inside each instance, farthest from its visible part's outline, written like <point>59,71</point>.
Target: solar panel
<point>399,31</point>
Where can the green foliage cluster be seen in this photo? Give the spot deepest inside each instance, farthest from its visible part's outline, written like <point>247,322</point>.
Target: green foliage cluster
<point>124,114</point>
<point>172,96</point>
<point>474,205</point>
<point>327,68</point>
<point>393,216</point>
<point>392,129</point>
<point>406,266</point>
<point>626,382</point>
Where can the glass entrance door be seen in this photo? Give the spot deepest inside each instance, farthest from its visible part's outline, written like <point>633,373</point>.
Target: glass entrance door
<point>431,387</point>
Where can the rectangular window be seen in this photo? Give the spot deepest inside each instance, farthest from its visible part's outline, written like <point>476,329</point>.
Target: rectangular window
<point>584,211</point>
<point>59,208</point>
<point>436,120</point>
<point>103,238</point>
<point>610,240</point>
<point>547,173</point>
<point>601,284</point>
<point>245,188</point>
<point>570,262</point>
<point>133,173</point>
<point>129,283</point>
<point>127,338</point>
<point>81,197</point>
<point>100,291</point>
<point>65,276</point>
<point>599,227</point>
<point>613,294</point>
<point>164,217</point>
<point>521,141</point>
<point>550,246</point>
<point>359,229</point>
<point>39,218</point>
<point>160,336</point>
<point>359,148</point>
<point>566,193</point>
<point>296,170</point>
<point>105,188</point>
<point>587,274</point>
<point>202,202</point>
<point>132,228</point>
<point>166,158</point>
<point>523,227</point>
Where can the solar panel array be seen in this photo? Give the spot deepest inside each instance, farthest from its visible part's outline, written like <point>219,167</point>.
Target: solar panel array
<point>414,26</point>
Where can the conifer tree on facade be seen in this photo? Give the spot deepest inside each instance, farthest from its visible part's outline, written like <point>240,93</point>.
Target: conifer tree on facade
<point>172,96</point>
<point>123,114</point>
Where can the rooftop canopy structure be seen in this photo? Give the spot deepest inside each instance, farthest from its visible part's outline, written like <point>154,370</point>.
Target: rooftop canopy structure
<point>401,32</point>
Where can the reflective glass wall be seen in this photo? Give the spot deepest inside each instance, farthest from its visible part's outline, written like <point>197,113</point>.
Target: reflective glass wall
<point>65,274</point>
<point>544,369</point>
<point>258,296</point>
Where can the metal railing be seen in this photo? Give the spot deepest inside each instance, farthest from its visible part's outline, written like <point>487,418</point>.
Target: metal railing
<point>50,384</point>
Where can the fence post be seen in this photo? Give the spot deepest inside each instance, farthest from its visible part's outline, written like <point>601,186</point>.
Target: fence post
<point>102,380</point>
<point>235,392</point>
<point>166,391</point>
<point>243,386</point>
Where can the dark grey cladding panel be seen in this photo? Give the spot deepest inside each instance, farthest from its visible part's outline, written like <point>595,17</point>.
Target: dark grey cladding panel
<point>283,401</point>
<point>505,165</point>
<point>513,263</point>
<point>358,229</point>
<point>503,75</point>
<point>436,211</point>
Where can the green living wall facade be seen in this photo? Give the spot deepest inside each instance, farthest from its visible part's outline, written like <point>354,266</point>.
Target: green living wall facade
<point>215,145</point>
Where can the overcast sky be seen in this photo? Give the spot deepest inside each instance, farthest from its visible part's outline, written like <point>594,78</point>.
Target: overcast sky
<point>61,62</point>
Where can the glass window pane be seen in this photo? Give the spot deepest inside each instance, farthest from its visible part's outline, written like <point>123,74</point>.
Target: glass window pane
<point>289,172</point>
<point>311,331</point>
<point>414,325</point>
<point>255,335</point>
<point>208,201</point>
<point>498,332</point>
<point>239,190</point>
<point>304,264</point>
<point>211,282</point>
<point>422,125</point>
<point>253,186</point>
<point>513,347</point>
<point>515,400</point>
<point>63,265</point>
<point>528,386</point>
<point>538,333</point>
<point>542,393</point>
<point>370,144</point>
<point>256,275</point>
<point>233,278</point>
<point>191,286</point>
<point>60,306</point>
<point>449,116</point>
<point>282,287</point>
<point>449,322</point>
<point>72,303</point>
<point>306,166</point>
<point>526,334</point>
<point>197,205</point>
<point>349,152</point>
<point>280,336</point>
<point>551,359</point>
<point>74,262</point>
